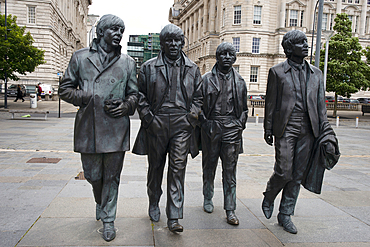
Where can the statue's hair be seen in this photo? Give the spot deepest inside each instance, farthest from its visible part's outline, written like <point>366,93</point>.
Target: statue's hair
<point>171,30</point>
<point>107,21</point>
<point>225,46</point>
<point>290,38</point>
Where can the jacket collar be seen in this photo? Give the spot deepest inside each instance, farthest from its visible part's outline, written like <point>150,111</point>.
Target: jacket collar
<point>288,67</point>
<point>160,62</point>
<point>94,47</point>
<point>95,59</point>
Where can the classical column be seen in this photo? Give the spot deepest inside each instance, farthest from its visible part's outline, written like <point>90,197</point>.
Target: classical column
<point>195,33</point>
<point>199,23</point>
<point>191,28</point>
<point>186,31</point>
<point>205,17</point>
<point>363,18</point>
<point>282,14</point>
<point>212,16</point>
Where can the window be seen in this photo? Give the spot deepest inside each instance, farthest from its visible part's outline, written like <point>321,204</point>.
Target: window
<point>256,45</point>
<point>324,21</point>
<point>302,18</point>
<point>236,43</point>
<point>254,74</point>
<point>357,1</point>
<point>293,19</point>
<point>237,14</point>
<point>223,17</point>
<point>31,14</point>
<point>349,1</point>
<point>257,14</point>
<point>368,1</point>
<point>236,67</point>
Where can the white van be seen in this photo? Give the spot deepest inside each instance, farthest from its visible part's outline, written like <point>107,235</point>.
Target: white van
<point>47,90</point>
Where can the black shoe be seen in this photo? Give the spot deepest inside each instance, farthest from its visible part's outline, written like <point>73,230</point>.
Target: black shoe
<point>154,212</point>
<point>231,217</point>
<point>98,211</point>
<point>267,207</point>
<point>109,233</point>
<point>208,205</point>
<point>285,221</point>
<point>174,226</point>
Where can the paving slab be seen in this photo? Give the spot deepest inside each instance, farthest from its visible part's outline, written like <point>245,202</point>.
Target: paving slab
<point>85,232</point>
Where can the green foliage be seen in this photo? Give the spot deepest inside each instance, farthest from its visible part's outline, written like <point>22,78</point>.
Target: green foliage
<point>347,73</point>
<point>17,55</point>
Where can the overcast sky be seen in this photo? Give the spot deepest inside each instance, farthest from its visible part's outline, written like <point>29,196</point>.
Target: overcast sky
<point>139,16</point>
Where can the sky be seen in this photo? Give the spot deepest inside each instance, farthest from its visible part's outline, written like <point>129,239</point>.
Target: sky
<point>139,16</point>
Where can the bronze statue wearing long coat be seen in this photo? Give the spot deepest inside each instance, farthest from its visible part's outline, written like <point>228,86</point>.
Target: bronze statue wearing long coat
<point>88,85</point>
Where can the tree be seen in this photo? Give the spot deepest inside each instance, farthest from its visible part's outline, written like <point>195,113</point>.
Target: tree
<point>17,55</point>
<point>347,73</point>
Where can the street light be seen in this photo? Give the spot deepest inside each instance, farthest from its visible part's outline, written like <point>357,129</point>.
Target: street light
<point>327,35</point>
<point>6,58</point>
<point>60,74</point>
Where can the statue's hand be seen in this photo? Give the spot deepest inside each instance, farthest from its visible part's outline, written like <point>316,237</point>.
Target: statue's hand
<point>268,137</point>
<point>116,108</point>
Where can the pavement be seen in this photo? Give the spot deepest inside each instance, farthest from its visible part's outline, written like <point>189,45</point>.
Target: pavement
<point>45,203</point>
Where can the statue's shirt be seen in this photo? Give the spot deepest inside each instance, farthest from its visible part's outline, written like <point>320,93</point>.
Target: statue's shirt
<point>225,102</point>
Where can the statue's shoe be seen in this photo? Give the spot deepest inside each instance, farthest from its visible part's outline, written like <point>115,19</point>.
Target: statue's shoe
<point>286,222</point>
<point>267,207</point>
<point>208,205</point>
<point>154,212</point>
<point>231,217</point>
<point>174,226</point>
<point>109,233</point>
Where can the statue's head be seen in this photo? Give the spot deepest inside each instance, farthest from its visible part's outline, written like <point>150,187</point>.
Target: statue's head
<point>295,44</point>
<point>172,41</point>
<point>226,56</point>
<point>110,28</point>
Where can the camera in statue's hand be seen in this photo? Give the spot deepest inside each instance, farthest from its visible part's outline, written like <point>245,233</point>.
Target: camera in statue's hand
<point>116,107</point>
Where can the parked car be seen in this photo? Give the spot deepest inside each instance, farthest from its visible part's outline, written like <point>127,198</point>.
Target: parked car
<point>332,99</point>
<point>329,99</point>
<point>364,100</point>
<point>12,90</point>
<point>30,89</point>
<point>352,101</point>
<point>255,97</point>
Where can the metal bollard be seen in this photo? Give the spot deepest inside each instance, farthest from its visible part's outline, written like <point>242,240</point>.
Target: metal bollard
<point>356,122</point>
<point>256,119</point>
<point>337,121</point>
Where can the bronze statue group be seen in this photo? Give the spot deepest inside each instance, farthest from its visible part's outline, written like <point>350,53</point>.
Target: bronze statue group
<point>182,111</point>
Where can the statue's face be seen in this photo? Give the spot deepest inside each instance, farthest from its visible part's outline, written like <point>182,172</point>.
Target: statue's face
<point>226,59</point>
<point>300,49</point>
<point>172,46</point>
<point>113,35</point>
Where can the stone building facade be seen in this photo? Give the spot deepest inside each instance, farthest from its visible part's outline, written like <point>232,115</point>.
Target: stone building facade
<point>57,26</point>
<point>256,28</point>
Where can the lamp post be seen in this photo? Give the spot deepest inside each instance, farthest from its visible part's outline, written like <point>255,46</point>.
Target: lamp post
<point>318,36</point>
<point>60,74</point>
<point>6,58</point>
<point>327,35</point>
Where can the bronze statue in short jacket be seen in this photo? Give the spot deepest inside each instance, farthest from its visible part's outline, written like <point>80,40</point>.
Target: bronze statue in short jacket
<point>295,114</point>
<point>169,102</point>
<point>224,116</point>
<point>102,82</point>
